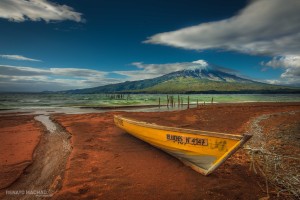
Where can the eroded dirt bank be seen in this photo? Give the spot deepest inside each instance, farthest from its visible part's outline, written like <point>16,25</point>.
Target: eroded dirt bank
<point>43,176</point>
<point>107,163</point>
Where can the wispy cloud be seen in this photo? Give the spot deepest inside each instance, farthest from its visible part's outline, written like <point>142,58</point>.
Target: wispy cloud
<point>47,83</point>
<point>19,57</point>
<point>146,71</point>
<point>264,27</point>
<point>291,66</point>
<point>284,81</point>
<point>20,78</point>
<point>284,61</point>
<point>31,71</point>
<point>37,10</point>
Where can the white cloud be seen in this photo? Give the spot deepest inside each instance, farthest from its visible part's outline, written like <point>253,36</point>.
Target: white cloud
<point>290,61</point>
<point>19,57</point>
<point>284,81</point>
<point>37,10</point>
<point>147,71</point>
<point>31,71</point>
<point>264,27</point>
<point>77,72</point>
<point>291,66</point>
<point>46,83</point>
<point>22,71</point>
<point>20,78</point>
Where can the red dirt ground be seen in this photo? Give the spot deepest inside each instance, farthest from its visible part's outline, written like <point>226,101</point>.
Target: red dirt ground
<point>107,163</point>
<point>19,135</point>
<point>227,118</point>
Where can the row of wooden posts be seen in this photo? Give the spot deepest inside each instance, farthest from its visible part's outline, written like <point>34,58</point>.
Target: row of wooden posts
<point>171,101</point>
<point>117,96</point>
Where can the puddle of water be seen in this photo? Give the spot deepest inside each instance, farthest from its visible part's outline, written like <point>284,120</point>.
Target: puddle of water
<point>74,110</point>
<point>46,121</point>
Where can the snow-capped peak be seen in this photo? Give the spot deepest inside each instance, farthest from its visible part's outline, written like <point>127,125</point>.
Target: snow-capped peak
<point>198,65</point>
<point>201,62</point>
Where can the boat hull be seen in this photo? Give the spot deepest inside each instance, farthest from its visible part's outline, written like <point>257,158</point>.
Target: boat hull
<point>201,150</point>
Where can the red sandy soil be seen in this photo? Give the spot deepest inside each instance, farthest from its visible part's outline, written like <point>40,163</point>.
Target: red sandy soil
<point>107,163</point>
<point>19,135</point>
<point>227,118</point>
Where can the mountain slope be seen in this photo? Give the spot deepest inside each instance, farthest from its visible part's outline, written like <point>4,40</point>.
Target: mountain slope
<point>193,85</point>
<point>205,78</point>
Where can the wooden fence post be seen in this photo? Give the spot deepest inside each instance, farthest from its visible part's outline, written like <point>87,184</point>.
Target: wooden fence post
<point>159,102</point>
<point>168,101</point>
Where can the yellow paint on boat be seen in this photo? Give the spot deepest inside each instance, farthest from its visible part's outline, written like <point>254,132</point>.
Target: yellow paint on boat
<point>203,151</point>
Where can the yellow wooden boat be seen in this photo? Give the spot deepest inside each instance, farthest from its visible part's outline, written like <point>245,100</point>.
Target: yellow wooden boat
<point>203,151</point>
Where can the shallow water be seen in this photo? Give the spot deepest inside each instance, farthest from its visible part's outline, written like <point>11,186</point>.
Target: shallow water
<point>47,122</point>
<point>72,103</point>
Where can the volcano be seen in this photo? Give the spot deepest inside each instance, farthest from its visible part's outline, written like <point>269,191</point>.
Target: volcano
<point>200,77</point>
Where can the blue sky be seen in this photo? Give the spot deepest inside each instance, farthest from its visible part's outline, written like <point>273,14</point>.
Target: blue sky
<point>67,44</point>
